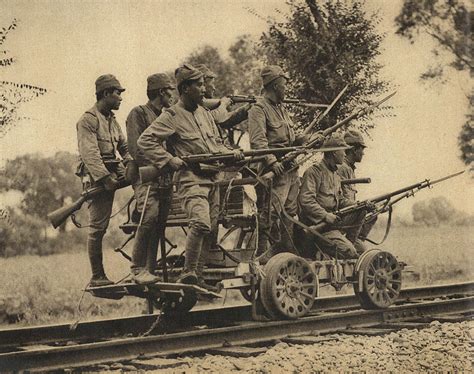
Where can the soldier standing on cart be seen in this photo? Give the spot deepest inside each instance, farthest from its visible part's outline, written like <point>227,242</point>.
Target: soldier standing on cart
<point>270,126</point>
<point>99,139</point>
<point>153,199</point>
<point>188,128</point>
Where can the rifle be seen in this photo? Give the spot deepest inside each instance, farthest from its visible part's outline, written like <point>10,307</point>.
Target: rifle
<point>405,192</point>
<point>149,173</point>
<point>236,99</point>
<point>356,181</point>
<point>60,215</point>
<point>318,141</point>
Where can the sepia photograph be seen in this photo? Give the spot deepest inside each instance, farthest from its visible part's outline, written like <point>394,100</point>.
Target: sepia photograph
<point>219,186</point>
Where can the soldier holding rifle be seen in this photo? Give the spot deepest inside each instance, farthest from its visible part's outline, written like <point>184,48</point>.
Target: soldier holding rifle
<point>153,199</point>
<point>189,129</point>
<point>347,171</point>
<point>321,195</point>
<point>270,126</point>
<point>99,139</point>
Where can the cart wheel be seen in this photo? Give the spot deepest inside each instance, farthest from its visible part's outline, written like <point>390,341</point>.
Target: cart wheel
<point>289,287</point>
<point>177,303</point>
<point>246,293</point>
<point>378,279</point>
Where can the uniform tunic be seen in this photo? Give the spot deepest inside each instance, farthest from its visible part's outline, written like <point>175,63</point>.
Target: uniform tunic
<point>320,195</point>
<point>187,133</point>
<point>347,171</point>
<point>99,139</point>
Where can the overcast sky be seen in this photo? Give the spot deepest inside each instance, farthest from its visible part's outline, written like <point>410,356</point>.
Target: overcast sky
<point>64,45</point>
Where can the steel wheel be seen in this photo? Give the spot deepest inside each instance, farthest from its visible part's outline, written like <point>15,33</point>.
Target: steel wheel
<point>379,279</point>
<point>177,303</point>
<point>289,287</point>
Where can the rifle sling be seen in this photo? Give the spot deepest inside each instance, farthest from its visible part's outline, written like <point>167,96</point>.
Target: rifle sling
<point>387,228</point>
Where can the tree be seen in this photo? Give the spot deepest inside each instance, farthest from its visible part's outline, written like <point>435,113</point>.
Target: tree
<point>435,211</point>
<point>240,73</point>
<point>12,94</point>
<point>449,24</point>
<point>46,182</point>
<point>324,46</point>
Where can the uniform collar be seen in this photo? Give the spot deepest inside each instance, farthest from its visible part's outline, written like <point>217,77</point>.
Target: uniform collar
<point>94,110</point>
<point>327,166</point>
<point>153,108</point>
<point>346,161</point>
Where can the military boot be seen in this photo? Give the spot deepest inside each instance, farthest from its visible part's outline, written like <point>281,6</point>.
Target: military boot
<point>94,249</point>
<point>143,276</point>
<point>193,247</point>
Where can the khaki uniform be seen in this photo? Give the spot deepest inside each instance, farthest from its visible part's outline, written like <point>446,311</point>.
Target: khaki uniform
<point>270,126</point>
<point>321,194</point>
<point>347,171</point>
<point>99,140</point>
<point>188,133</point>
<point>160,195</point>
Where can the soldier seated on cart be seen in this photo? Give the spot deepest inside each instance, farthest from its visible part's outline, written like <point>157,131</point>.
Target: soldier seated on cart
<point>321,195</point>
<point>188,128</point>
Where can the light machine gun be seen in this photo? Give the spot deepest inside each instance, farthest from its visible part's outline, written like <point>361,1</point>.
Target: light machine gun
<point>385,201</point>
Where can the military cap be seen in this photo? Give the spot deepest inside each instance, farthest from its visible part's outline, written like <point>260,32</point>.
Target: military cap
<point>185,73</point>
<point>157,81</point>
<point>354,137</point>
<point>336,140</point>
<point>208,73</point>
<point>270,73</point>
<point>107,81</point>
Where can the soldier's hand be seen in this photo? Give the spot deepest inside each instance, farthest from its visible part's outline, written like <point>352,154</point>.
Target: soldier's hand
<point>110,183</point>
<point>176,163</point>
<point>317,138</point>
<point>370,206</point>
<point>332,219</point>
<point>238,154</point>
<point>226,101</point>
<point>278,168</point>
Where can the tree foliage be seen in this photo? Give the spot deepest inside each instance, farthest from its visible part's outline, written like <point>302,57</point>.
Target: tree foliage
<point>46,182</point>
<point>237,74</point>
<point>12,94</point>
<point>449,23</point>
<point>439,211</point>
<point>324,46</point>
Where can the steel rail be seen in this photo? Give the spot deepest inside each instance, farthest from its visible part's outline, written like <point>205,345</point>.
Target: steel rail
<point>51,358</point>
<point>217,316</point>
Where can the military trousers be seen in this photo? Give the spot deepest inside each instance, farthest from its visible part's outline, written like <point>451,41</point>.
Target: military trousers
<point>200,201</point>
<point>153,211</point>
<point>271,222</point>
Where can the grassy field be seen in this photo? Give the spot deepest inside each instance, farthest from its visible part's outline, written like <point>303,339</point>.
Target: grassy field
<point>48,289</point>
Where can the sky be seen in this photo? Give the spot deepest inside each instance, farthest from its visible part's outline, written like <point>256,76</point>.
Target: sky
<point>65,45</point>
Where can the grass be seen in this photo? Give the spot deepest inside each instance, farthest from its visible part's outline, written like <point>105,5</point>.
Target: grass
<point>47,289</point>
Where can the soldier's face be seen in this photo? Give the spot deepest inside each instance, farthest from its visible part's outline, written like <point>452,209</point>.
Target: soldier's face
<point>114,99</point>
<point>280,88</point>
<point>167,97</point>
<point>210,87</point>
<point>339,156</point>
<point>358,153</point>
<point>196,90</point>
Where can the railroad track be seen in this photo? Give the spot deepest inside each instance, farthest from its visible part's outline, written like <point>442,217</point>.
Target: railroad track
<point>56,347</point>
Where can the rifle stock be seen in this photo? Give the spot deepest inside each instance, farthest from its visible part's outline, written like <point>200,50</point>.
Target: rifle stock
<point>60,215</point>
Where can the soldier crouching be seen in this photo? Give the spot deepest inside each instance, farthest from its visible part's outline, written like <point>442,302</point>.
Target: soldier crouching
<point>321,195</point>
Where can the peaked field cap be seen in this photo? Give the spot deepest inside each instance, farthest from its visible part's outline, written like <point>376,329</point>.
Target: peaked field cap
<point>208,73</point>
<point>335,140</point>
<point>354,137</point>
<point>107,81</point>
<point>187,72</point>
<point>270,73</point>
<point>157,81</point>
